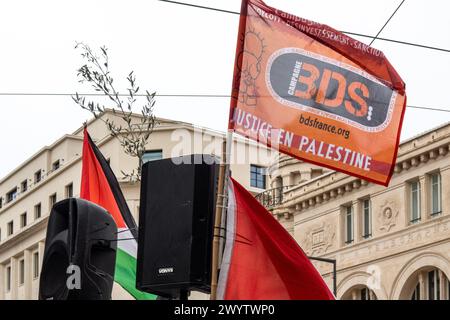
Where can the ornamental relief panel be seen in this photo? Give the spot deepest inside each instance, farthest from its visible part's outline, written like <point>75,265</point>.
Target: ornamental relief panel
<point>388,215</point>
<point>319,238</point>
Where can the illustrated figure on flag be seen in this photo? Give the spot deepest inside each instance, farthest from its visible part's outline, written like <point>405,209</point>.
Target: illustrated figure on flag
<point>316,94</point>
<point>99,185</point>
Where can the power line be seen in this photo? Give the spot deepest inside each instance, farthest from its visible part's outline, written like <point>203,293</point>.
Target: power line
<point>31,94</point>
<point>385,24</point>
<point>397,41</point>
<point>429,108</point>
<point>200,7</point>
<point>346,32</point>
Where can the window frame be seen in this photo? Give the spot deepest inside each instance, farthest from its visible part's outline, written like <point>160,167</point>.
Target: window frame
<point>52,202</point>
<point>38,176</point>
<point>21,276</point>
<point>23,220</point>
<point>366,234</point>
<point>412,218</point>
<point>258,176</point>
<point>8,275</point>
<point>349,213</point>
<point>12,195</point>
<point>35,264</point>
<point>10,228</point>
<point>56,165</point>
<point>69,190</point>
<point>36,215</point>
<point>439,194</point>
<point>24,185</point>
<point>155,151</point>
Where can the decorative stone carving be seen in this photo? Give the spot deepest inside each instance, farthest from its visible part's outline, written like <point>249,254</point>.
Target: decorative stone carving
<point>387,216</point>
<point>319,239</point>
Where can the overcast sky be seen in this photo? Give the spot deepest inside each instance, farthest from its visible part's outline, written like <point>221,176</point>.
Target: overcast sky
<point>176,49</point>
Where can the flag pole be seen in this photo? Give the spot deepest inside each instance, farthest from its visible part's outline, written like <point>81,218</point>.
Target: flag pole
<point>221,207</point>
<point>224,170</point>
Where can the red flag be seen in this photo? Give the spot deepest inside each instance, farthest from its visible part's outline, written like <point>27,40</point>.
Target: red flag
<point>261,260</point>
<point>316,94</point>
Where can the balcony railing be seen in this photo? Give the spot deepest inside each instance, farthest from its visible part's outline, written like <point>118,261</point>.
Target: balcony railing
<point>272,197</point>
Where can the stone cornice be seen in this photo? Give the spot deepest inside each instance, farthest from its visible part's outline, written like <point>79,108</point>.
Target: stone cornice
<point>330,186</point>
<point>25,233</point>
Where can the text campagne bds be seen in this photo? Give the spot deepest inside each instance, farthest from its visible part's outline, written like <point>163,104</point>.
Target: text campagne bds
<point>261,130</point>
<point>317,29</point>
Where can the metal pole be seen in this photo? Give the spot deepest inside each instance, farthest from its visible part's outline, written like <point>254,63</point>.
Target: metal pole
<point>334,279</point>
<point>332,261</point>
<point>217,223</point>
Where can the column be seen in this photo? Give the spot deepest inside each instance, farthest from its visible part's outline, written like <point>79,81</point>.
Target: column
<point>423,286</point>
<point>14,278</point>
<point>424,214</point>
<point>445,191</point>
<point>356,222</point>
<point>28,260</point>
<point>41,248</point>
<point>2,282</point>
<point>442,286</point>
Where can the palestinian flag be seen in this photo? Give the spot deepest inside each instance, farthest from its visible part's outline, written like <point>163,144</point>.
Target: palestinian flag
<point>99,185</point>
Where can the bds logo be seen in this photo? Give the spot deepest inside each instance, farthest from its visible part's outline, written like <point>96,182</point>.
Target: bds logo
<point>329,88</point>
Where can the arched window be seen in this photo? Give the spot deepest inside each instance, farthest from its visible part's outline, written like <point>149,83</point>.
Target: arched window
<point>360,292</point>
<point>430,284</point>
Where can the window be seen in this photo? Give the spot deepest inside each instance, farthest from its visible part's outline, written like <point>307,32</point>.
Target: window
<point>435,192</point>
<point>69,190</point>
<point>152,155</point>
<point>415,201</point>
<point>416,292</point>
<point>23,220</point>
<point>21,272</point>
<point>433,285</point>
<point>38,176</point>
<point>35,265</point>
<point>365,294</point>
<point>348,224</point>
<point>8,278</point>
<point>10,227</point>
<point>52,200</point>
<point>12,195</point>
<point>1,202</point>
<point>37,211</point>
<point>257,177</point>
<point>24,185</point>
<point>55,165</point>
<point>367,219</point>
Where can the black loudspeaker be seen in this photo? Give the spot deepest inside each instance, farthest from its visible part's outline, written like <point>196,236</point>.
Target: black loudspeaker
<point>80,252</point>
<point>176,222</point>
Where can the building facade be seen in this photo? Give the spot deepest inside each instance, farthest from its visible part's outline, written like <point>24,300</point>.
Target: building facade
<point>28,193</point>
<point>388,242</point>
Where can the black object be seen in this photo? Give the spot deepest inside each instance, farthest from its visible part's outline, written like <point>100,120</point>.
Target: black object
<point>176,222</point>
<point>81,242</point>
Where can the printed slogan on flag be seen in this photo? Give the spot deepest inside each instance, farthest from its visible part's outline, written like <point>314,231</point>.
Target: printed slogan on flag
<point>316,94</point>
